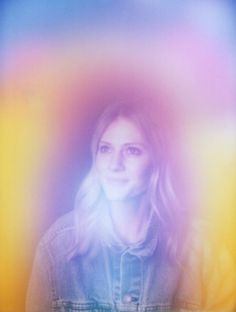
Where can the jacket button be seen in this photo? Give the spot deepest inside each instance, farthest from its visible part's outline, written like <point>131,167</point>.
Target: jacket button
<point>127,298</point>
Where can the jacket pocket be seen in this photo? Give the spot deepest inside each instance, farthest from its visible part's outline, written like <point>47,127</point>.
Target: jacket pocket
<point>73,306</point>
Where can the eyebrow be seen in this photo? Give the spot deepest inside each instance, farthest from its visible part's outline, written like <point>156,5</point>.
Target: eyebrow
<point>126,144</point>
<point>104,142</point>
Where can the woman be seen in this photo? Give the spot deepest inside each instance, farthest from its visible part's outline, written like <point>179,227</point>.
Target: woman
<point>126,245</point>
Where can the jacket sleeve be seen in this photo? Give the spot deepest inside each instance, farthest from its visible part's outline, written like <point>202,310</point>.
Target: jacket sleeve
<point>40,288</point>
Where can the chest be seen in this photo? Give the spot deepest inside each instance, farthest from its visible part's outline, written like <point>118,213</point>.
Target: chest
<point>125,282</point>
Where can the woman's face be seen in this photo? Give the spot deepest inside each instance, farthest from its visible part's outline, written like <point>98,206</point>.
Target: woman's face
<point>123,161</point>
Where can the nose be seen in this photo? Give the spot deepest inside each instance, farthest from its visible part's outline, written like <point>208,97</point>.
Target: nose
<point>116,162</point>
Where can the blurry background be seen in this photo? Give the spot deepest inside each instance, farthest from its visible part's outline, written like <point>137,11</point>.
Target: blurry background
<point>56,57</point>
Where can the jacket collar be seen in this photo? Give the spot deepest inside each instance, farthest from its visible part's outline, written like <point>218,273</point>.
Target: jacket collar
<point>143,248</point>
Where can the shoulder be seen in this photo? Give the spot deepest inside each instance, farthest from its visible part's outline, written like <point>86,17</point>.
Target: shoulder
<point>202,252</point>
<point>60,236</point>
<point>201,246</point>
<point>202,241</point>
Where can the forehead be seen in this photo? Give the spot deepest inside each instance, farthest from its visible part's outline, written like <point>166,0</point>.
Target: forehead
<point>123,130</point>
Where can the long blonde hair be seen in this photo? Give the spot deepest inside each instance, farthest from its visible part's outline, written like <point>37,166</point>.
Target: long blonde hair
<point>160,196</point>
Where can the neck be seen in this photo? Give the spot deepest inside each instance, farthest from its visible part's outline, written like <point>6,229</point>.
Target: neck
<point>128,218</point>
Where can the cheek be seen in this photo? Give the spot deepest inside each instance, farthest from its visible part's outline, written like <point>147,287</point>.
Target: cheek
<point>101,164</point>
<point>140,171</point>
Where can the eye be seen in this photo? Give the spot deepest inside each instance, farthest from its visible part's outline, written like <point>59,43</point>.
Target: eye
<point>133,151</point>
<point>104,149</point>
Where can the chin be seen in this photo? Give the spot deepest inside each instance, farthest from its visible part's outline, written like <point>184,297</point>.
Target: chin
<point>110,196</point>
<point>115,193</point>
<point>121,193</point>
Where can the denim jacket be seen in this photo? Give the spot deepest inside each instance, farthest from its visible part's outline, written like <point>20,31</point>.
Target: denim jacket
<point>137,278</point>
